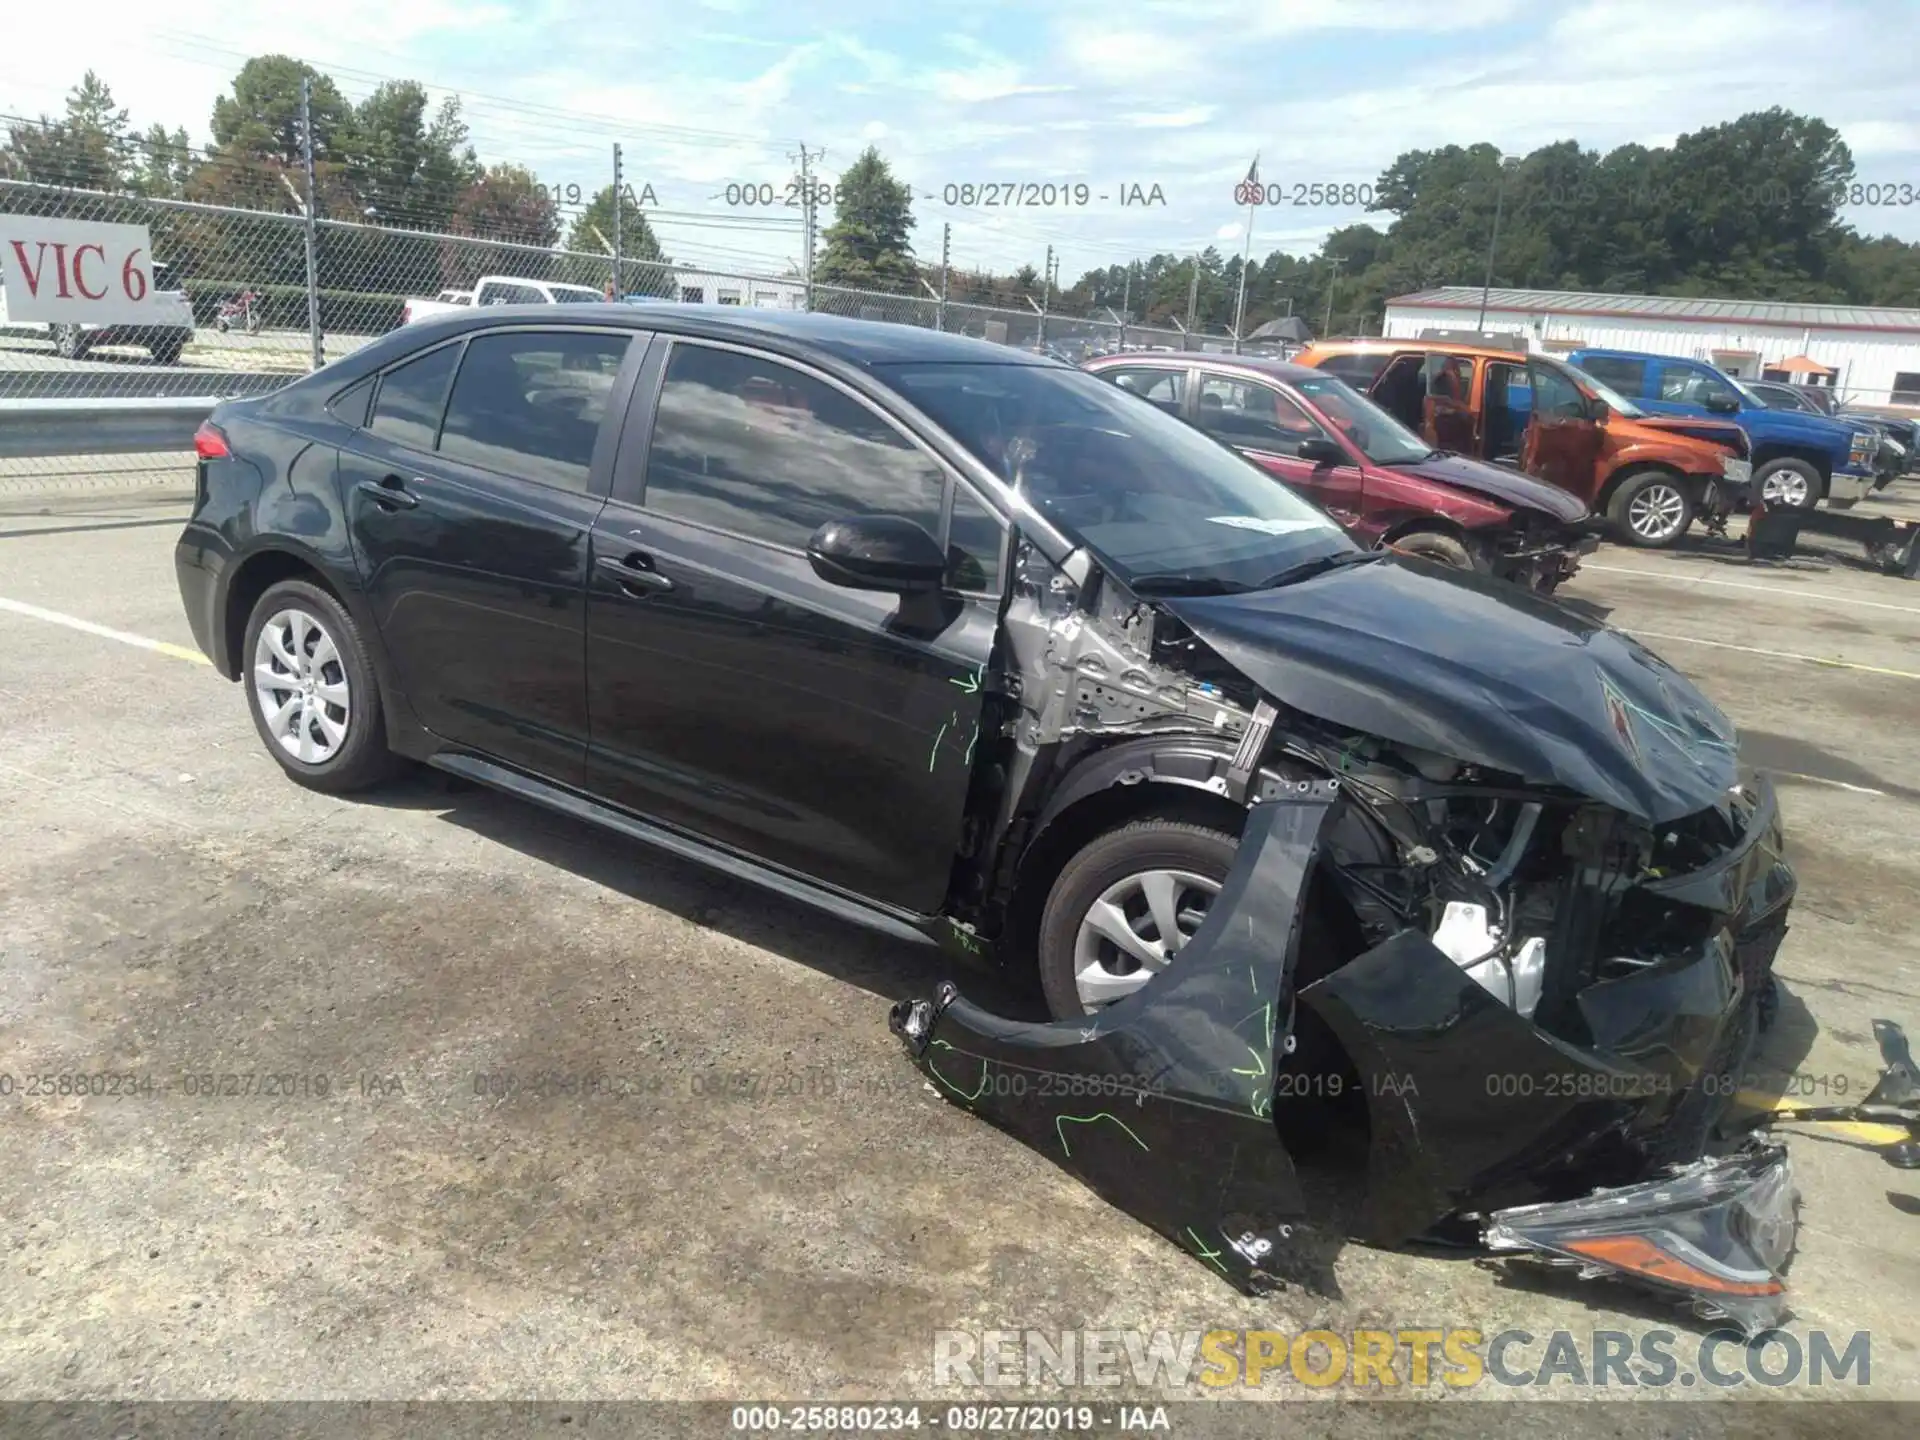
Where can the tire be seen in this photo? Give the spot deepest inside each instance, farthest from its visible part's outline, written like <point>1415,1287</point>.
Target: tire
<point>69,342</point>
<point>167,352</point>
<point>1432,545</point>
<point>301,612</point>
<point>1104,869</point>
<point>1796,483</point>
<point>1651,509</point>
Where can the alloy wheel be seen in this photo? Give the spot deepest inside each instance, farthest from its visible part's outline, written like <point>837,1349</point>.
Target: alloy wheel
<point>1657,512</point>
<point>1785,487</point>
<point>1134,929</point>
<point>300,685</point>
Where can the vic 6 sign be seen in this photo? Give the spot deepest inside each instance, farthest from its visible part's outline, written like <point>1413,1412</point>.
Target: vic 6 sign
<point>76,271</point>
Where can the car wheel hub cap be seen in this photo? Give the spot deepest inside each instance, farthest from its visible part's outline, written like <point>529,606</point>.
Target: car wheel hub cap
<point>1133,931</point>
<point>1788,487</point>
<point>300,685</point>
<point>1656,512</point>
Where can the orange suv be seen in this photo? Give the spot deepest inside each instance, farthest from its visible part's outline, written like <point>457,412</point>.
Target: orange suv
<point>1651,475</point>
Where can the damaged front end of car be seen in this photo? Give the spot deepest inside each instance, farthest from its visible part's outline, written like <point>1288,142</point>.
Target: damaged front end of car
<point>1559,904</point>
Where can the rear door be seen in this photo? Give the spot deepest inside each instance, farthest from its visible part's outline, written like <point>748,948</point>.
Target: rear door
<point>1562,440</point>
<point>734,693</point>
<point>1162,385</point>
<point>1447,412</point>
<point>1267,426</point>
<point>470,492</point>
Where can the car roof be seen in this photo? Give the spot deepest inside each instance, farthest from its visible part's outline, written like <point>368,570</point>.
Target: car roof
<point>865,343</point>
<point>1180,359</point>
<point>1399,344</point>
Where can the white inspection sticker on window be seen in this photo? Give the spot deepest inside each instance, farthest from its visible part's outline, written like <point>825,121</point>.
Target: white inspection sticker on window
<point>1268,527</point>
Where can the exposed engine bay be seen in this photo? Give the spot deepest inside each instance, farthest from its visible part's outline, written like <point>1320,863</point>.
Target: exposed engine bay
<point>1537,974</point>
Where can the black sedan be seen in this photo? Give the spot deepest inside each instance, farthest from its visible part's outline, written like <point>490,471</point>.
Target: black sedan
<point>965,644</point>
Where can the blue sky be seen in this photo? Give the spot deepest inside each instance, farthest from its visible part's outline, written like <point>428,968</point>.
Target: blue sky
<point>1178,93</point>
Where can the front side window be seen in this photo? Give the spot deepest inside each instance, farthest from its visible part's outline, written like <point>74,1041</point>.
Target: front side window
<point>1685,385</point>
<point>1257,416</point>
<point>1555,396</point>
<point>1164,506</point>
<point>760,449</point>
<point>1166,388</point>
<point>530,403</point>
<point>407,407</point>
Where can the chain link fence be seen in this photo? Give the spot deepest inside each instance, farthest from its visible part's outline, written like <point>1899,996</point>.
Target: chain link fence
<point>243,307</point>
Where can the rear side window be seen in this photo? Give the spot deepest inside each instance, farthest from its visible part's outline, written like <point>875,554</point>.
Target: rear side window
<point>407,409</point>
<point>350,405</point>
<point>754,447</point>
<point>1627,376</point>
<point>530,403</point>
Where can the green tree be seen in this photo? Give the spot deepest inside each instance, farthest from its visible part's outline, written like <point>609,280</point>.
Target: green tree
<point>592,229</point>
<point>506,204</point>
<point>406,168</point>
<point>163,164</point>
<point>867,245</point>
<point>87,150</point>
<point>261,118</point>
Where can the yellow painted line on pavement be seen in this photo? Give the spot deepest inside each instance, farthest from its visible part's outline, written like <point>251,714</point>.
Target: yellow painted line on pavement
<point>105,632</point>
<point>1791,591</point>
<point>1774,654</point>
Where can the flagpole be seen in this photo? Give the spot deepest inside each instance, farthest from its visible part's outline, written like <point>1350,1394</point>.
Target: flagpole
<point>1246,253</point>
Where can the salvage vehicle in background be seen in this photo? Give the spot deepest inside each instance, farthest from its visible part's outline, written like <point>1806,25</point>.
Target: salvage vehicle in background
<point>1382,482</point>
<point>163,338</point>
<point>499,290</point>
<point>1798,459</point>
<point>967,645</point>
<point>1905,434</point>
<point>1649,475</point>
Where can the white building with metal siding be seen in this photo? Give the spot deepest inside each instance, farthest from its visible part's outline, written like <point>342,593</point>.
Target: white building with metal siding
<point>1872,355</point>
<point>703,287</point>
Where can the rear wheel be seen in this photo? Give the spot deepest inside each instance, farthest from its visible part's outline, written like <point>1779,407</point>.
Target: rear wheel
<point>312,691</point>
<point>1651,509</point>
<point>1432,545</point>
<point>167,351</point>
<point>69,342</point>
<point>1122,908</point>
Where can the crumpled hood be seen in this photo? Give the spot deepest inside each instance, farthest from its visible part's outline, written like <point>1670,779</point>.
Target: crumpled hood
<point>1480,671</point>
<point>1717,432</point>
<point>1510,487</point>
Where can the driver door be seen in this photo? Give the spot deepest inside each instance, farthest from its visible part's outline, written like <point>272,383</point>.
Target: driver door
<point>1562,438</point>
<point>734,693</point>
<point>1267,427</point>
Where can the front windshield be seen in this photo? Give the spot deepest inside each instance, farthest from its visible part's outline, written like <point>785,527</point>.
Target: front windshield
<point>1155,499</point>
<point>1381,438</point>
<point>1615,401</point>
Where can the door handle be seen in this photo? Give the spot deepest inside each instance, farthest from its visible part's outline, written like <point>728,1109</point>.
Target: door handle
<point>635,574</point>
<point>390,491</point>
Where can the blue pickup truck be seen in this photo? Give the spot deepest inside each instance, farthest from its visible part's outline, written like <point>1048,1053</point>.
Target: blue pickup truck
<point>1798,459</point>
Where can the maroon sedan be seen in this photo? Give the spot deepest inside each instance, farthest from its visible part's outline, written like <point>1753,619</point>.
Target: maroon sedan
<point>1381,481</point>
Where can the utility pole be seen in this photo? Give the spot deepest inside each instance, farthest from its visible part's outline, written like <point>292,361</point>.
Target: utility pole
<point>1328,327</point>
<point>1046,295</point>
<point>808,221</point>
<point>1486,284</point>
<point>1193,291</point>
<point>619,290</point>
<point>946,244</point>
<point>313,223</point>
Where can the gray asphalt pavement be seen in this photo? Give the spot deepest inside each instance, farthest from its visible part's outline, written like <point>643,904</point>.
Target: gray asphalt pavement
<point>775,1206</point>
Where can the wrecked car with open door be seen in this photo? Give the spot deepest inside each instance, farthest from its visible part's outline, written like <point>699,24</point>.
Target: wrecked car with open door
<point>1415,836</point>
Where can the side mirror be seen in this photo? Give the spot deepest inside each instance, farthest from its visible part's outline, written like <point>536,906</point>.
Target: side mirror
<point>1723,405</point>
<point>877,552</point>
<point>1319,450</point>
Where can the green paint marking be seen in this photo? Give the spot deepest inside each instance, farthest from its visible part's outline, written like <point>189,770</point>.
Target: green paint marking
<point>971,683</point>
<point>934,754</point>
<point>985,1066</point>
<point>1060,1120</point>
<point>971,741</point>
<point>1258,1060</point>
<point>1205,1253</point>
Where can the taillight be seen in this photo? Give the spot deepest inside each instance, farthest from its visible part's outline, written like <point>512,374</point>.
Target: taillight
<point>209,443</point>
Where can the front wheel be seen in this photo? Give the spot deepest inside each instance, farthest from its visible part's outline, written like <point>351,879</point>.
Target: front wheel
<point>1121,909</point>
<point>69,342</point>
<point>312,691</point>
<point>1788,484</point>
<point>1432,545</point>
<point>1651,509</point>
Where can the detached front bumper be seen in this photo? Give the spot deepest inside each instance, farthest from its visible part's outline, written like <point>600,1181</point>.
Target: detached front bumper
<point>1165,1103</point>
